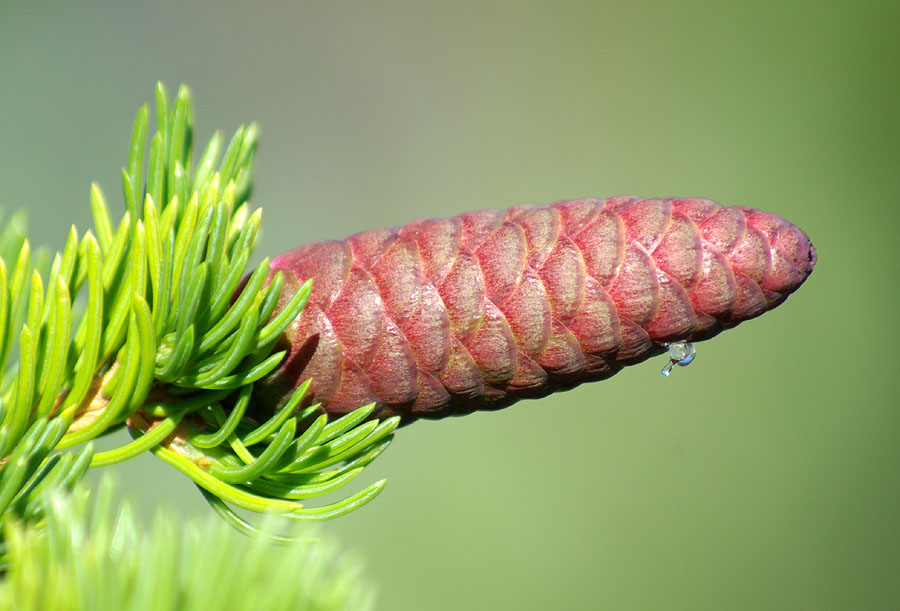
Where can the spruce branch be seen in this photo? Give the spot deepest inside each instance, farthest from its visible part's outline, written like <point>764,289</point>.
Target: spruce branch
<point>94,554</point>
<point>149,324</point>
<point>221,374</point>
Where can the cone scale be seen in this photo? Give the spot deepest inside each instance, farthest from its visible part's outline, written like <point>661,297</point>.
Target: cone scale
<point>448,316</point>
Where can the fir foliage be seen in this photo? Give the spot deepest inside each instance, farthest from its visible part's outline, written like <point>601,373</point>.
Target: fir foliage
<point>148,323</point>
<point>94,555</point>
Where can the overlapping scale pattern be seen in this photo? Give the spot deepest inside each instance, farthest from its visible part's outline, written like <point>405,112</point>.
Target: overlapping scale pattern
<point>447,316</point>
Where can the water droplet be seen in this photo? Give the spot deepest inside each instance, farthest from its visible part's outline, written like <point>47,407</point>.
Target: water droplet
<point>681,354</point>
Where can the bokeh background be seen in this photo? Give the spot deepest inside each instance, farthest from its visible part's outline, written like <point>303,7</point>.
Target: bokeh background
<point>766,475</point>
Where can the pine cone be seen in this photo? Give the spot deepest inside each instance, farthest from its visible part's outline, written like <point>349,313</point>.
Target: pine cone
<point>445,317</point>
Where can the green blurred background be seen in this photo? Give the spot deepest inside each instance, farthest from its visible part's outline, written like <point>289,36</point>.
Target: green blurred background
<point>766,475</point>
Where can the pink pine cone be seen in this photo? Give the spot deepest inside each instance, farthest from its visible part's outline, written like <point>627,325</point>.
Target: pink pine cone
<point>449,316</point>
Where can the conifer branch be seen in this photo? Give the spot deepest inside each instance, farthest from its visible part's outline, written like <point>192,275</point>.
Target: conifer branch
<point>93,554</point>
<point>148,324</point>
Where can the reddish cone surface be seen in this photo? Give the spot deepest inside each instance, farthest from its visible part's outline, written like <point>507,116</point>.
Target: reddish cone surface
<point>449,316</point>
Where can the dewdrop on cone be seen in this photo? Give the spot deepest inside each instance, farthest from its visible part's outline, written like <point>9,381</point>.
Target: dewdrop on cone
<point>447,316</point>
